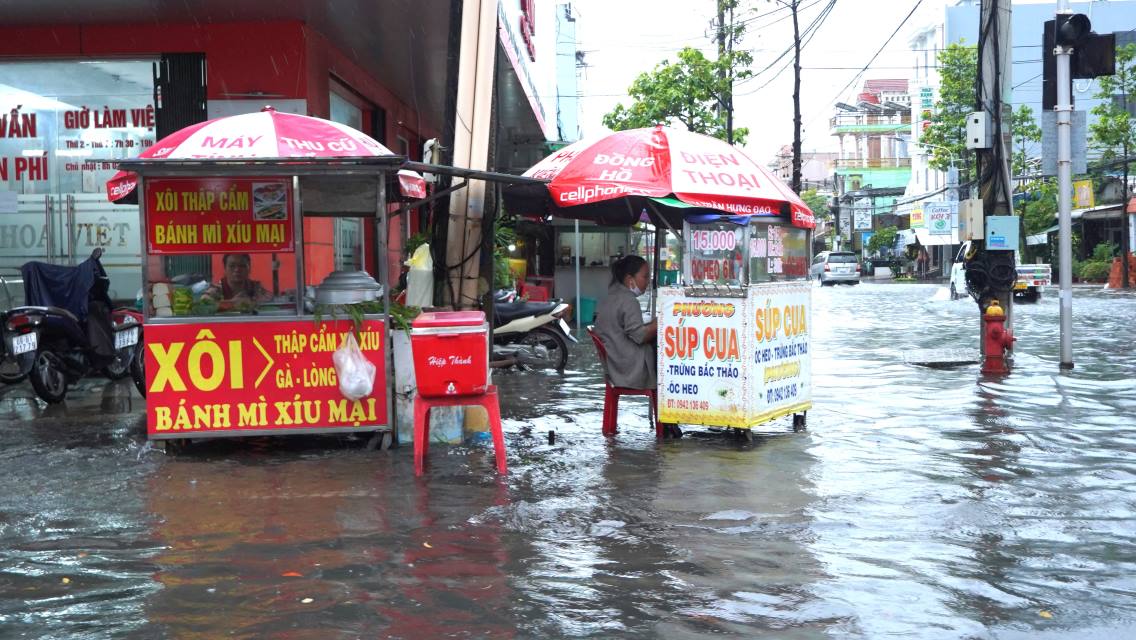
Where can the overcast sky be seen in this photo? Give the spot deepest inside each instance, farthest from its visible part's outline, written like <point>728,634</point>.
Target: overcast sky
<point>622,38</point>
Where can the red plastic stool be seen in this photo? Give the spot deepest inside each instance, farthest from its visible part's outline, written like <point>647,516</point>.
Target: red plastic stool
<point>612,393</point>
<point>422,407</point>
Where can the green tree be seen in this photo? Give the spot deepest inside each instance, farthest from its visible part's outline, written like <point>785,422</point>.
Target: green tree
<point>1026,135</point>
<point>816,202</point>
<point>882,238</point>
<point>687,92</point>
<point>1039,210</point>
<point>958,72</point>
<point>1113,134</point>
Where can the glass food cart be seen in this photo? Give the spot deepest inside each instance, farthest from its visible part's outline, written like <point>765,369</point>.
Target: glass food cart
<point>733,334</point>
<point>240,260</point>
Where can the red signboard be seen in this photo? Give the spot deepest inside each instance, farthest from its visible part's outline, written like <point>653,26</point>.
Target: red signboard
<point>219,215</point>
<point>224,378</point>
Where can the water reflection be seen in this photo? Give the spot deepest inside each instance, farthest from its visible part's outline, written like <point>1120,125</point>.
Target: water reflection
<point>919,503</point>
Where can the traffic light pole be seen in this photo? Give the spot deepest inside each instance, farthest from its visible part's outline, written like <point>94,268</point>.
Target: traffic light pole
<point>1064,111</point>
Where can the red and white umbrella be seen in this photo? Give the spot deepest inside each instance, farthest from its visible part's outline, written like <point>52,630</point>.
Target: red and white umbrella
<point>593,179</point>
<point>266,134</point>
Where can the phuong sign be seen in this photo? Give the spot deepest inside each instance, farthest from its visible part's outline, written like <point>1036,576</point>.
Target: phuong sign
<point>217,378</point>
<point>218,215</point>
<point>734,362</point>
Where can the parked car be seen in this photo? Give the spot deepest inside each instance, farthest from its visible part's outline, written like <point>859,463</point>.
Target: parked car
<point>830,267</point>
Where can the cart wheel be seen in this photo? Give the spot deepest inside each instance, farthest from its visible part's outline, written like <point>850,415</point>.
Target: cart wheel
<point>748,435</point>
<point>672,430</point>
<point>799,421</point>
<point>174,447</point>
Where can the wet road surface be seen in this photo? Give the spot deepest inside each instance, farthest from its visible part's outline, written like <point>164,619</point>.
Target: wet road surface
<point>920,503</point>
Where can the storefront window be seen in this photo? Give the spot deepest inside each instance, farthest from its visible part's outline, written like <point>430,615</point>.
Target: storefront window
<point>597,246</point>
<point>62,126</point>
<point>777,253</point>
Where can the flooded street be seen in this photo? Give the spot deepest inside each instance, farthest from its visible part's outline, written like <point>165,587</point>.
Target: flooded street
<point>919,503</point>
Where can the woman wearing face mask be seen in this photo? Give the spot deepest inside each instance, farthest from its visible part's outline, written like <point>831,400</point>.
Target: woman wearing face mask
<point>630,343</point>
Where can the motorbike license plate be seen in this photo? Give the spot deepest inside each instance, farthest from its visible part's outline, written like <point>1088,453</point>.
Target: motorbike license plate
<point>24,343</point>
<point>126,338</point>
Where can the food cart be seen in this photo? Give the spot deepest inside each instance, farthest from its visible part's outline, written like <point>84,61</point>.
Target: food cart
<point>733,332</point>
<point>260,362</point>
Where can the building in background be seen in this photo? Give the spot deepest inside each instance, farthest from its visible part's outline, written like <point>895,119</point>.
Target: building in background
<point>817,168</point>
<point>92,86</point>
<point>874,165</point>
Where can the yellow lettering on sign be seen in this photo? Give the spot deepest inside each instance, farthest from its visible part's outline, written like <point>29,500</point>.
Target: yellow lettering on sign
<point>167,367</point>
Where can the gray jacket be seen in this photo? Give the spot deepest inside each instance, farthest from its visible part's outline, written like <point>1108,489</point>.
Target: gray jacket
<point>619,324</point>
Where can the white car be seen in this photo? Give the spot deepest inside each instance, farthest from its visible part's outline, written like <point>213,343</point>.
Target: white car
<point>831,267</point>
<point>1031,278</point>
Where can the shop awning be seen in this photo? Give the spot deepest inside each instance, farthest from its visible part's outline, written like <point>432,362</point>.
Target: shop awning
<point>928,239</point>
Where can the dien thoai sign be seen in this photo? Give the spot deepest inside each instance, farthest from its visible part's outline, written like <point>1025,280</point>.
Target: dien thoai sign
<point>771,322</point>
<point>717,343</point>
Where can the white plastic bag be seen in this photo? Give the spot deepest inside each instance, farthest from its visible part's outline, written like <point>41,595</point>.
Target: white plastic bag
<point>355,372</point>
<point>420,278</point>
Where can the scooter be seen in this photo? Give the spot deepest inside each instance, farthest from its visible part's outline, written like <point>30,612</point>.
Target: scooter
<point>532,334</point>
<point>57,339</point>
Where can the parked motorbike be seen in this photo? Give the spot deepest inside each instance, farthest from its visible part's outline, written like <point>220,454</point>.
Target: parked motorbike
<point>68,329</point>
<point>533,334</point>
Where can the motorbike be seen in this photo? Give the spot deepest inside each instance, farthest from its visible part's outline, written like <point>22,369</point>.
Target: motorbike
<point>68,329</point>
<point>532,334</point>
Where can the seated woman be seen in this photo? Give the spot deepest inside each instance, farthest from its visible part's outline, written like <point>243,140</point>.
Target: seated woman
<point>236,289</point>
<point>630,343</point>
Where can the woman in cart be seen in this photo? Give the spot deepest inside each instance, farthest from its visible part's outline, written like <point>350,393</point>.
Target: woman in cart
<point>236,288</point>
<point>629,341</point>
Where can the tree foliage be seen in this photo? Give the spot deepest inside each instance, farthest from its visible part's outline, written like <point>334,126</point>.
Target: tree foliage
<point>692,91</point>
<point>946,135</point>
<point>1026,134</point>
<point>1112,134</point>
<point>1039,210</point>
<point>881,239</point>
<point>816,202</point>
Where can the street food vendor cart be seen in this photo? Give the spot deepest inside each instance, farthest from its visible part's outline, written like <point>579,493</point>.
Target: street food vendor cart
<point>733,334</point>
<point>242,257</point>
<point>734,347</point>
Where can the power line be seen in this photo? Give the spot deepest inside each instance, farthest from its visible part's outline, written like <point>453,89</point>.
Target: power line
<point>873,59</point>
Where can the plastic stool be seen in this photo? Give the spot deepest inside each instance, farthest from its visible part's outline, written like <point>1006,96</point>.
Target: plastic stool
<point>612,394</point>
<point>422,407</point>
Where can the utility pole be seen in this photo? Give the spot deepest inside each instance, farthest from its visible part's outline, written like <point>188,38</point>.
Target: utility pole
<point>796,101</point>
<point>1124,218</point>
<point>995,268</point>
<point>725,75</point>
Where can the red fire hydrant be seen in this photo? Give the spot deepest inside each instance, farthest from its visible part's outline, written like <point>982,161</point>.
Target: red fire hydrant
<point>996,339</point>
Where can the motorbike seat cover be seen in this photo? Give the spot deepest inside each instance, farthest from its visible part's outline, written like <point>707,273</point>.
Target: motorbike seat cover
<point>70,288</point>
<point>510,311</point>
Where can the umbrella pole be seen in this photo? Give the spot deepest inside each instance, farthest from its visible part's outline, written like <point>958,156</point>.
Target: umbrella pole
<point>655,276</point>
<point>576,264</point>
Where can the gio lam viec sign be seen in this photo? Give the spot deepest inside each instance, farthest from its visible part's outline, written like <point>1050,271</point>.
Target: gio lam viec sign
<point>219,215</point>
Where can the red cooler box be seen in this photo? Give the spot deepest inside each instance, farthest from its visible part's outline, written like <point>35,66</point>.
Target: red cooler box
<point>451,353</point>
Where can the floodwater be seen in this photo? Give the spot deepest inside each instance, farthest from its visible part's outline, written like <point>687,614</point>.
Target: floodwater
<point>919,503</point>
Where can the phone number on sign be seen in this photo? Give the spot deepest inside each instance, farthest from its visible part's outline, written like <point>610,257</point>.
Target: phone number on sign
<point>694,405</point>
<point>777,394</point>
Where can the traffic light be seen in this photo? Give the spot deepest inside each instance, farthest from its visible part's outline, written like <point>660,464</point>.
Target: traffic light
<point>1093,54</point>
